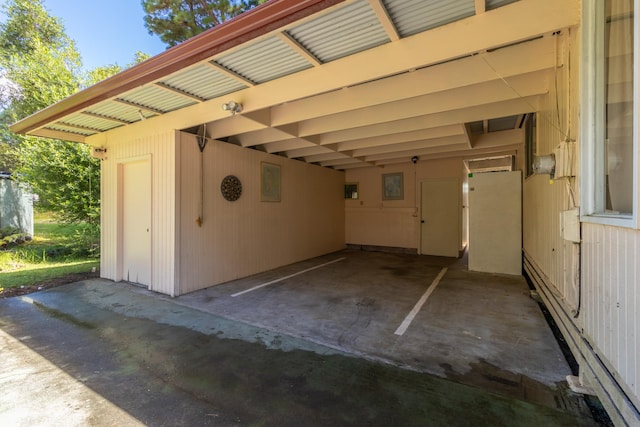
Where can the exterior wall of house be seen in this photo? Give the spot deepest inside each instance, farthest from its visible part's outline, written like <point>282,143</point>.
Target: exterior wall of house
<point>591,288</point>
<point>371,221</point>
<point>159,148</point>
<point>248,236</point>
<point>611,297</point>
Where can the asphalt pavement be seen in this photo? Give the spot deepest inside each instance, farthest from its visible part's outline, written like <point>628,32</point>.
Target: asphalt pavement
<point>96,353</point>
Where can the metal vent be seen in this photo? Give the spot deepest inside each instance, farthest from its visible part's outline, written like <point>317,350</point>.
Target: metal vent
<point>415,16</point>
<point>345,31</point>
<point>204,81</point>
<point>494,4</point>
<point>266,60</point>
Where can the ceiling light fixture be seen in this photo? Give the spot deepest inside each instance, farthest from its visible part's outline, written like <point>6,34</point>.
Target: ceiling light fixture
<point>233,107</point>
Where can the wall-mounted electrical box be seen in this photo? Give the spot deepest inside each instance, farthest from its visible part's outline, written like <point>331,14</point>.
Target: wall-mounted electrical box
<point>565,159</point>
<point>570,225</point>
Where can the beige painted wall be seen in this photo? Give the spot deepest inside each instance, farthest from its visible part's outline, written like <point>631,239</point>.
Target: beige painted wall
<point>598,292</point>
<point>369,220</point>
<point>159,148</point>
<point>544,200</point>
<point>248,236</point>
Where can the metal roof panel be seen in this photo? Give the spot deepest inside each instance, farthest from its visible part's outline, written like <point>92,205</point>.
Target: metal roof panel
<point>340,33</point>
<point>494,4</point>
<point>265,60</point>
<point>203,81</point>
<point>68,129</point>
<point>157,99</point>
<point>90,122</point>
<point>414,16</point>
<point>117,111</point>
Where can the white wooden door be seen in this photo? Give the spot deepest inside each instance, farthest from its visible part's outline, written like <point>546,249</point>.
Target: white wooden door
<point>495,222</point>
<point>136,222</point>
<point>439,217</point>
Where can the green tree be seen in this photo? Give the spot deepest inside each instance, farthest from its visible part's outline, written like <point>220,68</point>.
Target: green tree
<point>178,20</point>
<point>102,73</point>
<point>40,66</point>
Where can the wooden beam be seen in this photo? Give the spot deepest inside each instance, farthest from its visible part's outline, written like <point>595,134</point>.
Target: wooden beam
<point>385,20</point>
<point>177,91</point>
<point>526,58</point>
<point>138,106</point>
<point>519,87</point>
<point>300,50</point>
<point>399,137</point>
<point>103,117</point>
<point>227,72</point>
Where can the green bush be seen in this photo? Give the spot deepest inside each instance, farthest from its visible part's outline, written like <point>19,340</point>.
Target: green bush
<point>10,237</point>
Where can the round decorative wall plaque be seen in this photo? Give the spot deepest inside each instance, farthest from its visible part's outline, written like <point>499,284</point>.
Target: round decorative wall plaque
<point>231,188</point>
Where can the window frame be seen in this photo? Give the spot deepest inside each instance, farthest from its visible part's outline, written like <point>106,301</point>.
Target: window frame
<point>592,115</point>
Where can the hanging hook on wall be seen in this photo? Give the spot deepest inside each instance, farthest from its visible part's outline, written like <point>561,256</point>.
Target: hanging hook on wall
<point>202,140</point>
<point>202,143</point>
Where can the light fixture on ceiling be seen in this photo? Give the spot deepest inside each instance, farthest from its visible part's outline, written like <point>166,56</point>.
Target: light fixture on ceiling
<point>233,107</point>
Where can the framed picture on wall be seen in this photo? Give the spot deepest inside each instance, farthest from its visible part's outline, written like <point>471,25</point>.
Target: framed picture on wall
<point>269,182</point>
<point>393,186</point>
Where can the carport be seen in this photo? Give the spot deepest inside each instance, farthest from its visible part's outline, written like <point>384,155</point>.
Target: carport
<point>250,156</point>
<point>425,314</point>
<point>302,128</point>
<point>392,100</point>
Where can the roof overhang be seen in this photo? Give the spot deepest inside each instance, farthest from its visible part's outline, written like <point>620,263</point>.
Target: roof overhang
<point>343,84</point>
<point>243,28</point>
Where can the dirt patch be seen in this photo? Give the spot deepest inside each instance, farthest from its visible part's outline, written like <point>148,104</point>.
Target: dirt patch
<point>52,283</point>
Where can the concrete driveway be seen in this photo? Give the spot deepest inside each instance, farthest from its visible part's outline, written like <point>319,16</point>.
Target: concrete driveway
<point>99,353</point>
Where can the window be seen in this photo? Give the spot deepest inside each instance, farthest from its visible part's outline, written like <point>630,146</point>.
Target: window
<point>610,156</point>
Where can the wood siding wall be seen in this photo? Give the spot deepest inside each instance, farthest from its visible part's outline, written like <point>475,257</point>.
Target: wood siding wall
<point>605,294</point>
<point>393,223</point>
<point>159,148</point>
<point>611,297</point>
<point>249,236</point>
<point>543,200</point>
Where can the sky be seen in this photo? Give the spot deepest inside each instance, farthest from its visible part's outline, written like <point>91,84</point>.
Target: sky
<point>106,32</point>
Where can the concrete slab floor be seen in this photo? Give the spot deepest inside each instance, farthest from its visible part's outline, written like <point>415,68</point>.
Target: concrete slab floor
<point>478,329</point>
<point>98,353</point>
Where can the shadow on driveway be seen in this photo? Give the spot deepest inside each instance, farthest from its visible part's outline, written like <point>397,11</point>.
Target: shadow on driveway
<point>164,364</point>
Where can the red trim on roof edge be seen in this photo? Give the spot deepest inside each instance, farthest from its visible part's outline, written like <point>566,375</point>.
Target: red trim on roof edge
<point>252,24</point>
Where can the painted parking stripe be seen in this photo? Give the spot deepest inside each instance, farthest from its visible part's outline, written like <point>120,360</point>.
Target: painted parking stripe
<point>286,277</point>
<point>412,314</point>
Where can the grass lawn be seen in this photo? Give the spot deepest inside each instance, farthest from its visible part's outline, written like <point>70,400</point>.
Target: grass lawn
<point>56,250</point>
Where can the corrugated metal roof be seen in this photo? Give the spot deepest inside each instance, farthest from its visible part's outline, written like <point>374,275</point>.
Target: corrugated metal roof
<point>158,99</point>
<point>117,111</point>
<point>60,127</point>
<point>265,60</point>
<point>414,16</point>
<point>343,32</point>
<point>204,81</point>
<point>494,4</point>
<point>83,120</point>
